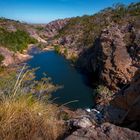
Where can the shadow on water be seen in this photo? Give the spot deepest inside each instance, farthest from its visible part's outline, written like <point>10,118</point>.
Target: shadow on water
<point>63,73</point>
<point>90,63</point>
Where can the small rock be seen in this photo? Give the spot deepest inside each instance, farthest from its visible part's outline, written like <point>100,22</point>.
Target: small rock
<point>82,122</point>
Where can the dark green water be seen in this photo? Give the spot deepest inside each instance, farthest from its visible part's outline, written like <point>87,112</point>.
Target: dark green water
<point>62,73</point>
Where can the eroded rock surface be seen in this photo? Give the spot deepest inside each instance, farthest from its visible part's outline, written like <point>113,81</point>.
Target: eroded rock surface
<point>112,58</point>
<point>129,100</point>
<point>106,131</point>
<point>11,58</point>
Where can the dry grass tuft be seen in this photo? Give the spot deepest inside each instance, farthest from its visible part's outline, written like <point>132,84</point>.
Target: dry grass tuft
<point>29,119</point>
<point>28,114</point>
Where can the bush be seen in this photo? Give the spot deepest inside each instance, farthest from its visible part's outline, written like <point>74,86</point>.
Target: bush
<point>1,58</point>
<point>15,41</point>
<point>73,59</point>
<point>103,95</point>
<point>57,49</point>
<point>103,90</point>
<point>65,52</point>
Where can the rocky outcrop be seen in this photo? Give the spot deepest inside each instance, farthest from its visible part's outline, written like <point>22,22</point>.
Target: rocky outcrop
<point>123,110</point>
<point>128,99</point>
<point>51,29</point>
<point>106,131</point>
<point>11,58</point>
<point>117,64</point>
<point>112,59</point>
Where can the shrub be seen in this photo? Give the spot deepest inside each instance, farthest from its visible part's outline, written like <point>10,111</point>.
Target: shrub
<point>103,90</point>
<point>1,58</point>
<point>41,45</point>
<point>40,28</point>
<point>15,41</point>
<point>57,49</point>
<point>65,52</point>
<point>103,95</point>
<point>73,59</point>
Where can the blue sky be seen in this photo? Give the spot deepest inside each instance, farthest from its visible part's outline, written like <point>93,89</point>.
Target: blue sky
<point>44,11</point>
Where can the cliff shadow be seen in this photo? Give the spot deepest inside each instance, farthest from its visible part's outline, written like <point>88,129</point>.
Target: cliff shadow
<point>89,63</point>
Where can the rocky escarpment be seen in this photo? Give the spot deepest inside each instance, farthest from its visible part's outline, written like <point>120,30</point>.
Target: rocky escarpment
<point>15,37</point>
<point>53,27</point>
<point>48,31</point>
<point>106,45</point>
<point>128,99</point>
<point>112,60</point>
<point>11,58</point>
<point>105,131</point>
<point>122,110</point>
<point>111,57</point>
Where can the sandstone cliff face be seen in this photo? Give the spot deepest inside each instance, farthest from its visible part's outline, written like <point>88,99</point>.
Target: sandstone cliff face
<point>106,45</point>
<point>123,110</point>
<point>12,58</point>
<point>112,59</point>
<point>51,29</point>
<point>93,126</point>
<point>104,132</point>
<point>129,100</point>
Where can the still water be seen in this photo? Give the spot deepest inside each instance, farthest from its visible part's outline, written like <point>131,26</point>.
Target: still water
<point>63,73</point>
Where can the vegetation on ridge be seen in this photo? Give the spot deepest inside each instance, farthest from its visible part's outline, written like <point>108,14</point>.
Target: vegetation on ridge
<point>15,41</point>
<point>84,30</point>
<point>1,58</point>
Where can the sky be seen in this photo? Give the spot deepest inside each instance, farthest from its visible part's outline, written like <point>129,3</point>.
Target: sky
<point>44,11</point>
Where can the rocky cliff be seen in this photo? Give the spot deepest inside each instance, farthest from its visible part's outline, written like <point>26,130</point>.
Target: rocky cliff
<point>128,99</point>
<point>112,58</point>
<point>106,45</point>
<point>50,30</point>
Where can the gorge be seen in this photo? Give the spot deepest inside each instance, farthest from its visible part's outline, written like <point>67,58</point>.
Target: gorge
<point>87,82</point>
<point>74,86</point>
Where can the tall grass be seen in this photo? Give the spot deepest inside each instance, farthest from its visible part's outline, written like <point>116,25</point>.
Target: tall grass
<point>24,116</point>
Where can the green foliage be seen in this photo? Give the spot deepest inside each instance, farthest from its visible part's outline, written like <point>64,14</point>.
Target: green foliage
<point>40,28</point>
<point>64,116</point>
<point>1,58</point>
<point>103,91</point>
<point>41,45</point>
<point>57,49</point>
<point>25,83</point>
<point>84,30</point>
<point>65,51</point>
<point>73,59</point>
<point>1,66</point>
<point>15,41</point>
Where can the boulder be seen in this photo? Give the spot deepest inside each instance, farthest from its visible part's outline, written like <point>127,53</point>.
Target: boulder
<point>105,131</point>
<point>81,122</point>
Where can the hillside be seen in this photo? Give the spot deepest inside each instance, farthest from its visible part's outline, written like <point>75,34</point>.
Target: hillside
<point>81,32</point>
<point>15,38</point>
<point>105,46</point>
<point>48,31</point>
<point>92,42</point>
